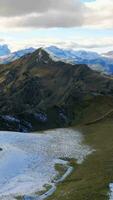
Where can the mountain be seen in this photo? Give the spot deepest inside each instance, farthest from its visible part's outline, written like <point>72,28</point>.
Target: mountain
<point>23,52</point>
<point>99,62</point>
<point>71,54</point>
<point>15,55</point>
<point>109,54</point>
<point>38,92</point>
<point>4,50</point>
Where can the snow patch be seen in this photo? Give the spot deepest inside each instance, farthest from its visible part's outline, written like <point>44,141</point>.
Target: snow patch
<point>111,191</point>
<point>27,161</point>
<point>10,118</point>
<point>41,117</point>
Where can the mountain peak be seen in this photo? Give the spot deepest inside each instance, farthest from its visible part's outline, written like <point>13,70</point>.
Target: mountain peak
<point>43,56</point>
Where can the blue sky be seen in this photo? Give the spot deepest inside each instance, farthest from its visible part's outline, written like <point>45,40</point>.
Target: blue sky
<point>75,23</point>
<point>60,33</point>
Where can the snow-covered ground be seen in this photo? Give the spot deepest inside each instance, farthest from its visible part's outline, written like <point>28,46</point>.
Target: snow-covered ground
<point>27,161</point>
<point>111,191</point>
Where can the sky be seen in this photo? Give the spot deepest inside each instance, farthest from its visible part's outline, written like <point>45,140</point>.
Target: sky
<point>72,24</point>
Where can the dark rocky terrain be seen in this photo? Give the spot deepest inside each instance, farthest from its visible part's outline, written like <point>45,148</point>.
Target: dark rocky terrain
<point>38,93</point>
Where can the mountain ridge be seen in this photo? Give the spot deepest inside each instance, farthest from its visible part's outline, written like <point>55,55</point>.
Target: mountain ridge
<point>99,62</point>
<point>38,92</point>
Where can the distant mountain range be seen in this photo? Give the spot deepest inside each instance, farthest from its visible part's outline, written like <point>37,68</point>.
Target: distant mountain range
<point>11,56</point>
<point>100,62</point>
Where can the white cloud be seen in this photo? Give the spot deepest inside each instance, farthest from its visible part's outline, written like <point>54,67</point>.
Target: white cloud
<point>16,7</point>
<point>55,13</point>
<point>19,15</point>
<point>41,13</point>
<point>99,14</point>
<point>78,43</point>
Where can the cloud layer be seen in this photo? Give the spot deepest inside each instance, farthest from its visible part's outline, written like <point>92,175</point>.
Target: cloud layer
<point>56,13</point>
<point>99,14</point>
<point>103,44</point>
<point>42,13</point>
<point>16,7</point>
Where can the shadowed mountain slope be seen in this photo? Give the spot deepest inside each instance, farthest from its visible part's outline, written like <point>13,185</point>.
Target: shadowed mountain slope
<point>37,92</point>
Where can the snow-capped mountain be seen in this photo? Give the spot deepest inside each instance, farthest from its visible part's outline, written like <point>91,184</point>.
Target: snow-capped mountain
<point>15,55</point>
<point>96,61</point>
<point>71,54</point>
<point>99,62</point>
<point>4,50</point>
<point>23,52</point>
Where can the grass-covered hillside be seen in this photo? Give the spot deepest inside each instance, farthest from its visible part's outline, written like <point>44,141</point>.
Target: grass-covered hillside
<point>90,181</point>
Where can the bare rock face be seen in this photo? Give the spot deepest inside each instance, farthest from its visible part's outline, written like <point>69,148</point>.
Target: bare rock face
<point>42,93</point>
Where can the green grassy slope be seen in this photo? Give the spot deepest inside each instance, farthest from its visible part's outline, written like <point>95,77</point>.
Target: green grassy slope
<point>90,181</point>
<point>91,109</point>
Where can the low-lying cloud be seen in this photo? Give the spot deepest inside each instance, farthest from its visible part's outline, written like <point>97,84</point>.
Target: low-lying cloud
<point>96,44</point>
